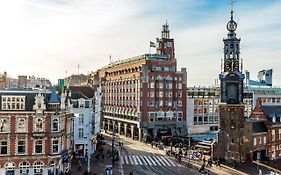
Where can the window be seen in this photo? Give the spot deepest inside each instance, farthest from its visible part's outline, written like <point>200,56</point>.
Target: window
<point>255,141</point>
<point>279,134</point>
<point>81,119</point>
<point>55,125</point>
<point>152,94</point>
<point>38,168</point>
<point>21,125</point>
<point>160,85</point>
<point>169,85</point>
<point>179,86</point>
<point>4,125</point>
<point>55,146</point>
<point>13,102</point>
<point>3,147</point>
<point>24,167</point>
<point>260,140</point>
<point>161,94</point>
<point>38,145</point>
<point>81,132</point>
<point>21,147</point>
<point>151,103</point>
<point>264,140</point>
<point>152,85</point>
<point>38,125</point>
<point>273,135</point>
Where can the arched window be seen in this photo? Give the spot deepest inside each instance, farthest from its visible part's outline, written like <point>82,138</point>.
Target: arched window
<point>24,167</point>
<point>38,168</point>
<point>55,125</point>
<point>21,125</point>
<point>39,125</point>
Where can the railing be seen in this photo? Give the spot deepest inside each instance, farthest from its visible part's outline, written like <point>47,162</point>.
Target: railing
<point>268,167</point>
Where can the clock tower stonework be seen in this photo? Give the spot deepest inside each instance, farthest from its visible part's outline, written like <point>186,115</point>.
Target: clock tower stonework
<point>230,145</point>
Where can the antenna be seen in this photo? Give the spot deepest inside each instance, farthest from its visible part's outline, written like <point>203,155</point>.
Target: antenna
<point>78,69</point>
<point>232,2</point>
<point>110,59</point>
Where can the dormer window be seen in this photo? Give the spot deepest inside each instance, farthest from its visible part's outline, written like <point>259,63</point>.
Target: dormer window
<point>274,119</point>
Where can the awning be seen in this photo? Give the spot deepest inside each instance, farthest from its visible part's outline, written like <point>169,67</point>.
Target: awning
<point>202,146</point>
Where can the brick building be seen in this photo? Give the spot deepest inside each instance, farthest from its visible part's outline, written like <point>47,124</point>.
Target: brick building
<point>35,132</point>
<point>264,132</point>
<point>145,96</point>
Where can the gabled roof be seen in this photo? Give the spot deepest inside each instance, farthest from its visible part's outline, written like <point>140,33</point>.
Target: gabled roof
<point>271,111</point>
<point>54,96</point>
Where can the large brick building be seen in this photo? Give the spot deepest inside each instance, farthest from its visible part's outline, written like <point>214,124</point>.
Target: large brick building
<point>36,134</point>
<point>145,96</point>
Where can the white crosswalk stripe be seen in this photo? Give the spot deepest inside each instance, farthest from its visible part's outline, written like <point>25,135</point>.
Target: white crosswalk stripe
<point>143,160</point>
<point>147,160</point>
<point>137,157</point>
<point>161,161</point>
<point>131,160</point>
<point>164,159</point>
<point>156,160</point>
<point>171,162</point>
<point>151,160</point>
<point>135,160</point>
<point>126,159</point>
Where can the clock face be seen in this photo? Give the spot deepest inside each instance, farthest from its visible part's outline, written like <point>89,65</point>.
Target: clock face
<point>229,65</point>
<point>232,65</point>
<point>235,65</point>
<point>231,26</point>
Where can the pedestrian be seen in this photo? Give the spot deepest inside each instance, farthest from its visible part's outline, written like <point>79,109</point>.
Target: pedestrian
<point>204,160</point>
<point>219,163</point>
<point>79,165</point>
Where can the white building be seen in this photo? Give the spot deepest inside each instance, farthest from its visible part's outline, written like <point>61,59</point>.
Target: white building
<point>97,109</point>
<point>83,124</point>
<point>202,105</point>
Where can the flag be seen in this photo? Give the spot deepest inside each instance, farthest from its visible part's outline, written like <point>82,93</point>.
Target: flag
<point>152,44</point>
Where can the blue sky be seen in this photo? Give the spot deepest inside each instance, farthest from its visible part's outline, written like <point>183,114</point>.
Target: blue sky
<point>45,38</point>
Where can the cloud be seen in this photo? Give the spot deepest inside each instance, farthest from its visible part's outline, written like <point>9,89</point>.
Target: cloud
<point>47,38</point>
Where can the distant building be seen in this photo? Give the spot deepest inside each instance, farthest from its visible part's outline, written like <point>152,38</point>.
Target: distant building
<point>22,81</point>
<point>4,83</point>
<point>36,132</point>
<point>34,82</point>
<point>264,78</point>
<point>77,80</point>
<point>145,96</point>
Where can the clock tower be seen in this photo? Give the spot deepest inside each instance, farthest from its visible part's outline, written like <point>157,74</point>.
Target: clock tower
<point>231,76</point>
<point>231,110</point>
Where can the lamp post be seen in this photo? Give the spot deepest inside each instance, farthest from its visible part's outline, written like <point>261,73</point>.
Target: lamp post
<point>113,135</point>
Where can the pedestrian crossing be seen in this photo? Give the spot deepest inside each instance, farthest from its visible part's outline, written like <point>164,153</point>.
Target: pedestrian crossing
<point>147,160</point>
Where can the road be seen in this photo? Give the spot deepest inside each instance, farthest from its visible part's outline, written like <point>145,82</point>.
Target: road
<point>142,159</point>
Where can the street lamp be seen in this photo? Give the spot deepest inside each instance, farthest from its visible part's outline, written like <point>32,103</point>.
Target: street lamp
<point>113,135</point>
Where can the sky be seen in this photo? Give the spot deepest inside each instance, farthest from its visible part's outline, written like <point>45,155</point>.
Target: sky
<point>50,38</point>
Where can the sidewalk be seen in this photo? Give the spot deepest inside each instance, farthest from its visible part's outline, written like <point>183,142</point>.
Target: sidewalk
<point>98,164</point>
